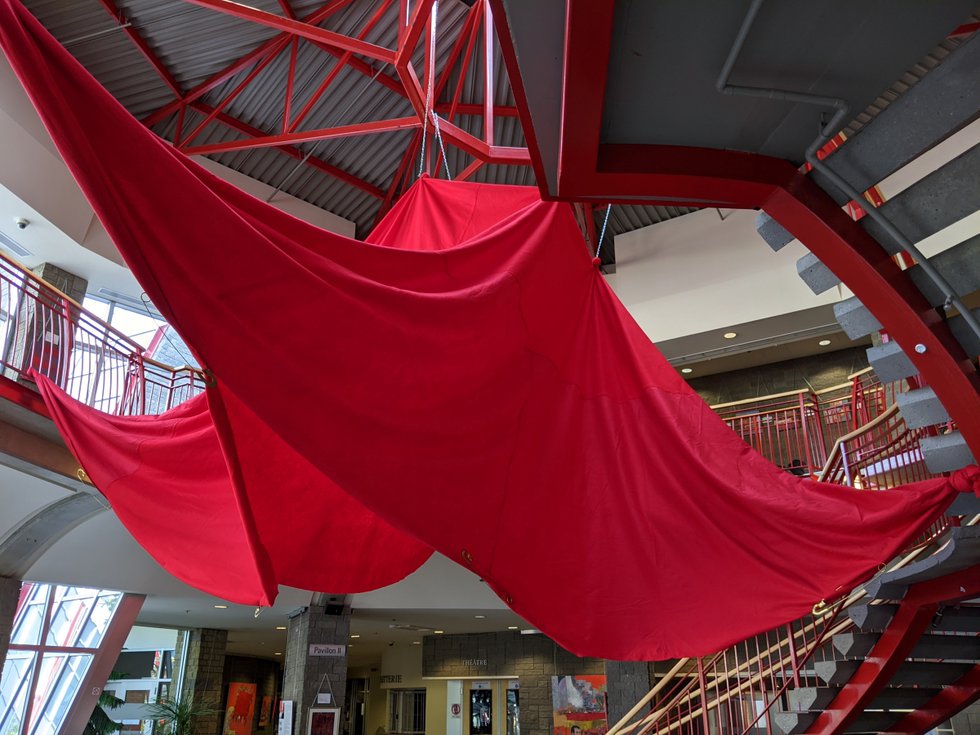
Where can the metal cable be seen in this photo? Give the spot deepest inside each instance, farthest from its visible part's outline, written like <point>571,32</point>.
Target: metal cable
<point>602,235</point>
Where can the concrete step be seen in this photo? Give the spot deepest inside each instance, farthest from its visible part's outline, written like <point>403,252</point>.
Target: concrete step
<point>855,318</point>
<point>946,453</point>
<point>815,274</point>
<point>960,550</point>
<point>932,204</point>
<point>911,673</point>
<point>856,645</point>
<point>875,618</point>
<point>890,362</point>
<point>792,723</point>
<point>968,339</point>
<point>921,407</point>
<point>959,265</point>
<point>942,102</point>
<point>775,235</point>
<point>966,504</point>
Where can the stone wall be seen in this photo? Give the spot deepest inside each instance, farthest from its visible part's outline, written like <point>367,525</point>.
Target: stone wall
<point>820,371</point>
<point>534,659</point>
<point>9,594</point>
<point>204,675</point>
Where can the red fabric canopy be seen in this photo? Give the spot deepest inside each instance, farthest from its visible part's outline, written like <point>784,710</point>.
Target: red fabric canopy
<point>479,387</point>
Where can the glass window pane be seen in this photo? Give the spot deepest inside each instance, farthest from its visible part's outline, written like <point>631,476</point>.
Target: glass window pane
<point>58,683</point>
<point>80,616</point>
<point>30,616</point>
<point>15,683</point>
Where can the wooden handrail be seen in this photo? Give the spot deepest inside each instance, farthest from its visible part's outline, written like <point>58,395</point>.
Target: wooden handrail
<point>835,450</point>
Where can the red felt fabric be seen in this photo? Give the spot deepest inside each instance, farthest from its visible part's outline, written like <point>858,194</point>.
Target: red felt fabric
<point>234,520</point>
<point>493,398</point>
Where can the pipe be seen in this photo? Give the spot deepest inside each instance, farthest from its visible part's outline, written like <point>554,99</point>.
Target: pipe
<point>836,123</point>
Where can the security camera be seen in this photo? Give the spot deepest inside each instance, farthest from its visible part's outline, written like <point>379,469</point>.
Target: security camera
<point>21,223</point>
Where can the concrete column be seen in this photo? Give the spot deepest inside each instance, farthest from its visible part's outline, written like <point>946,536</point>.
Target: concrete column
<point>305,676</point>
<point>38,342</point>
<point>9,594</point>
<point>626,683</point>
<point>204,671</point>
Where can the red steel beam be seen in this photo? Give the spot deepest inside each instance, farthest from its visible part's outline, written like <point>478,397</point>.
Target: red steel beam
<point>306,136</point>
<point>952,699</point>
<point>471,18</point>
<point>913,617</point>
<point>469,170</point>
<point>296,153</point>
<point>338,67</point>
<point>272,46</point>
<point>143,47</point>
<point>488,87</point>
<point>299,28</point>
<point>287,109</point>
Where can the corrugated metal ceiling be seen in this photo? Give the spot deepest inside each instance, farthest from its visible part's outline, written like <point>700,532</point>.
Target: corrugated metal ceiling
<point>194,43</point>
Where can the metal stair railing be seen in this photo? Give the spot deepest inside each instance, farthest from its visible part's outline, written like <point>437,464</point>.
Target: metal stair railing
<point>736,690</point>
<point>44,330</point>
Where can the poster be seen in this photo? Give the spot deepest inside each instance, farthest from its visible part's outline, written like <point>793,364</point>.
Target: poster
<point>579,704</point>
<point>265,710</point>
<point>239,709</point>
<point>323,721</point>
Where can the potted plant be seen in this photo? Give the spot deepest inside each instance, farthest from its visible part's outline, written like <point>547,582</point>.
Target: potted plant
<point>179,716</point>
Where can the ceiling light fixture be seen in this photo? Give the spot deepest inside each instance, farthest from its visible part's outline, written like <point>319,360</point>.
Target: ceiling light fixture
<point>416,643</point>
<point>480,617</point>
<point>280,627</point>
<point>440,632</point>
<point>355,635</point>
<point>220,607</point>
<point>824,342</point>
<point>730,335</point>
<point>278,653</point>
<point>687,371</point>
<point>512,627</point>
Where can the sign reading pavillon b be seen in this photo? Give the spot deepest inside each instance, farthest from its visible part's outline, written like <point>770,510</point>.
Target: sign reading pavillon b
<point>328,649</point>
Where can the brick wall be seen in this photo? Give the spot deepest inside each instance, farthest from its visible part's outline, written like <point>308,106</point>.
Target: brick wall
<point>534,659</point>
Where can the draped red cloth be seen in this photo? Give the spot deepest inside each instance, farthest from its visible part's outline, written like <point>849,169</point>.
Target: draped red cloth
<point>470,378</point>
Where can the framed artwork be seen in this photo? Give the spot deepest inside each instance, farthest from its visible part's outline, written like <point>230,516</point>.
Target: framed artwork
<point>323,721</point>
<point>579,704</point>
<point>240,709</point>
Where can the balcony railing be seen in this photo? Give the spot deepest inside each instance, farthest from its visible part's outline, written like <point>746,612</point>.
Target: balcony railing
<point>44,330</point>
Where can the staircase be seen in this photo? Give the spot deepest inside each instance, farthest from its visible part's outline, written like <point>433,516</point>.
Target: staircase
<point>943,102</point>
<point>912,657</point>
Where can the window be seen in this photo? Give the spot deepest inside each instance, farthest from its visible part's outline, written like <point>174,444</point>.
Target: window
<point>406,711</point>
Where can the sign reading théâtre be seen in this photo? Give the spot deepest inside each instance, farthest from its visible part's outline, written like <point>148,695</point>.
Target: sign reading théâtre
<point>327,649</point>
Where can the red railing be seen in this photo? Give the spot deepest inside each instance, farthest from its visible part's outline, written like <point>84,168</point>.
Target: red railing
<point>43,330</point>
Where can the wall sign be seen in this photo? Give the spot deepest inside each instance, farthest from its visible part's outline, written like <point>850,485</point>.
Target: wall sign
<point>327,649</point>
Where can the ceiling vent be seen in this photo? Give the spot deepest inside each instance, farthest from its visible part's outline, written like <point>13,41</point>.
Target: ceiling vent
<point>13,246</point>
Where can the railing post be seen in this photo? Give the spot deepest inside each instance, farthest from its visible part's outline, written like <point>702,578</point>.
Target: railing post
<point>806,434</point>
<point>704,696</point>
<point>792,654</point>
<point>843,461</point>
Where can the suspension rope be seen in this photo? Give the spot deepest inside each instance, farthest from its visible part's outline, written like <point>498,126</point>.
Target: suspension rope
<point>602,235</point>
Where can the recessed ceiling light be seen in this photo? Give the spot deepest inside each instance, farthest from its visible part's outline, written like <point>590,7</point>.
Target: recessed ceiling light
<point>687,371</point>
<point>824,342</point>
<point>220,607</point>
<point>480,617</point>
<point>416,643</point>
<point>355,635</point>
<point>278,653</point>
<point>280,627</point>
<point>730,335</point>
<point>512,627</point>
<point>439,631</point>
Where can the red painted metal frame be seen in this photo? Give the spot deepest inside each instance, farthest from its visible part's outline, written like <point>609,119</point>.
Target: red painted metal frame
<point>591,171</point>
<point>349,52</point>
<point>913,617</point>
<point>953,698</point>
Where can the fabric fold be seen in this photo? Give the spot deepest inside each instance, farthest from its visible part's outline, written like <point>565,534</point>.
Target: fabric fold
<point>472,380</point>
